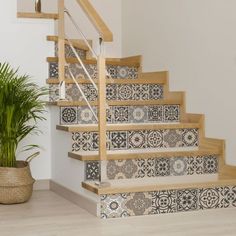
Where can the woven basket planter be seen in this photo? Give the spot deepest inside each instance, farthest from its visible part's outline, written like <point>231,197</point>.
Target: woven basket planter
<point>16,184</point>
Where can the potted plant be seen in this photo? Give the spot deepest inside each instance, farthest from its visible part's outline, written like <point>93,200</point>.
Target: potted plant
<point>21,108</point>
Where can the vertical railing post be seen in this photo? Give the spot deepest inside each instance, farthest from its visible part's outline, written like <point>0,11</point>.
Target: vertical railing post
<point>61,48</point>
<point>102,115</point>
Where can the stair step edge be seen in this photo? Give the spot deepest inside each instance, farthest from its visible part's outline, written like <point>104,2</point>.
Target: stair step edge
<point>115,189</point>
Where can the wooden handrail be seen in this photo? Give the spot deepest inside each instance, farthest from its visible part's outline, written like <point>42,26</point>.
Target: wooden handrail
<point>96,20</point>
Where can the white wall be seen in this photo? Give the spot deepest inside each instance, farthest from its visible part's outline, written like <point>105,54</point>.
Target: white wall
<point>23,44</point>
<point>109,10</point>
<point>196,41</point>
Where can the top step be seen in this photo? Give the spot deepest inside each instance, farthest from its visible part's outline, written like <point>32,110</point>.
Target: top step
<point>35,15</point>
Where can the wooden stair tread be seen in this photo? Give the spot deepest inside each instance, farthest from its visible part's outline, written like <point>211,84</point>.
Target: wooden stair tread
<point>109,61</point>
<point>137,154</point>
<point>78,43</point>
<point>132,186</point>
<point>35,15</point>
<point>120,103</point>
<point>132,126</point>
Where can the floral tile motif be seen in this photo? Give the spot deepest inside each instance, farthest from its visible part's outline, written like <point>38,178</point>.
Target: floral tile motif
<point>138,114</point>
<point>187,200</point>
<point>162,167</point>
<point>119,140</point>
<point>68,115</point>
<point>146,168</point>
<point>116,72</point>
<point>85,115</point>
<point>140,91</point>
<point>210,165</point>
<point>164,202</point>
<point>113,206</point>
<point>173,138</point>
<point>53,70</point>
<point>152,167</point>
<point>171,113</point>
<point>92,170</point>
<point>230,196</point>
<point>195,165</point>
<point>81,141</point>
<point>178,166</point>
<point>190,137</point>
<point>122,169</point>
<point>139,139</point>
<point>155,92</point>
<point>53,93</point>
<point>211,198</point>
<point>69,52</point>
<point>155,113</point>
<point>155,138</point>
<point>114,92</point>
<point>168,201</point>
<point>139,204</point>
<point>118,115</point>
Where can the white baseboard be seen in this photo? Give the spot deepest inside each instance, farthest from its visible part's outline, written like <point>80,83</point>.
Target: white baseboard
<point>83,202</point>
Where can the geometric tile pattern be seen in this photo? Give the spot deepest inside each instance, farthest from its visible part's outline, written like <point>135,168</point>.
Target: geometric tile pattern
<point>117,92</point>
<point>166,201</point>
<point>70,53</point>
<point>116,72</point>
<point>154,167</point>
<point>140,139</point>
<point>119,115</point>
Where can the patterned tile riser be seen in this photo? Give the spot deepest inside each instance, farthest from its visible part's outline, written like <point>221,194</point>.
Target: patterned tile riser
<point>122,114</point>
<point>140,139</point>
<point>154,167</point>
<point>167,201</point>
<point>116,92</point>
<point>70,53</point>
<point>116,72</point>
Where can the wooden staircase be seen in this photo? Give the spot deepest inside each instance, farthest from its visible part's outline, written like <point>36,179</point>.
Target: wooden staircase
<point>158,159</point>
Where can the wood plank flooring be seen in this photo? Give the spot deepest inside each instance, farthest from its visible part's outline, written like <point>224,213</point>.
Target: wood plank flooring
<point>47,214</point>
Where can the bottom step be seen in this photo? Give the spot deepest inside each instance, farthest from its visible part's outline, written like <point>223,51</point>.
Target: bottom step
<point>117,201</point>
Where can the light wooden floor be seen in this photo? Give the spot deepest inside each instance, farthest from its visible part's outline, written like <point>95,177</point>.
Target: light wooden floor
<point>47,214</point>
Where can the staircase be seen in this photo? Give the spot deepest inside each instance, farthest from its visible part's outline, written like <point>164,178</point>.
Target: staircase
<point>157,158</point>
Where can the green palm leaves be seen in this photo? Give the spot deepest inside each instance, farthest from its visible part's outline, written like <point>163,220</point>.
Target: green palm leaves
<point>20,111</point>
